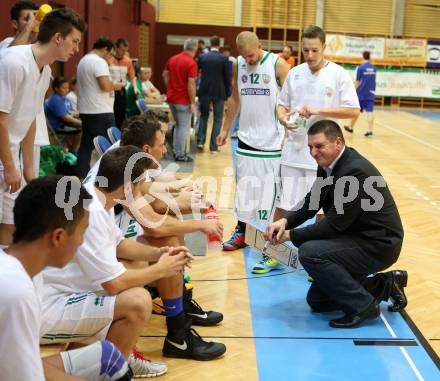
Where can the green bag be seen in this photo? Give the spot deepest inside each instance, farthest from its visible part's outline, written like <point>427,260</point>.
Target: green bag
<point>50,156</point>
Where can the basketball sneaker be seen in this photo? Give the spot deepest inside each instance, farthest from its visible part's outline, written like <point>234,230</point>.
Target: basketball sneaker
<point>266,264</point>
<point>198,315</point>
<point>143,368</point>
<point>236,241</point>
<point>182,341</point>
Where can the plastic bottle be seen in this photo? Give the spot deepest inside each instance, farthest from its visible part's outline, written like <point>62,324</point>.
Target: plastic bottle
<point>214,242</point>
<point>39,15</point>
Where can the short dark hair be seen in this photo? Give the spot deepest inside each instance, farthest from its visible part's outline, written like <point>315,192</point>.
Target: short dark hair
<point>201,41</point>
<point>113,164</point>
<point>58,81</point>
<point>121,41</point>
<point>313,31</point>
<point>22,6</point>
<point>227,48</point>
<point>38,198</point>
<point>103,42</point>
<point>140,130</point>
<point>214,41</point>
<point>289,47</point>
<point>61,20</point>
<point>366,55</point>
<point>329,128</point>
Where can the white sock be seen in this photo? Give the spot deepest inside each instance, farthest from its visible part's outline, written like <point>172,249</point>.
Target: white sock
<point>101,361</point>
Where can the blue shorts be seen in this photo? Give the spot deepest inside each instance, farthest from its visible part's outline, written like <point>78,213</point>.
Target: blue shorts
<point>367,105</point>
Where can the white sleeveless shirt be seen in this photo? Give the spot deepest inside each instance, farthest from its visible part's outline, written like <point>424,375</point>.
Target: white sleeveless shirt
<point>258,91</point>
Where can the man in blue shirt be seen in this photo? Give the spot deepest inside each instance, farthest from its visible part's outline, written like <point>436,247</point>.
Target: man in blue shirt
<point>366,87</point>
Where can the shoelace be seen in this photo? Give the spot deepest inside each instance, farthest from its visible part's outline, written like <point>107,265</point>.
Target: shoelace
<point>235,234</point>
<point>265,259</point>
<point>137,354</point>
<point>197,306</point>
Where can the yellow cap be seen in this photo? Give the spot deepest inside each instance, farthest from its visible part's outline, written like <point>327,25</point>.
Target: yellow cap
<point>39,15</point>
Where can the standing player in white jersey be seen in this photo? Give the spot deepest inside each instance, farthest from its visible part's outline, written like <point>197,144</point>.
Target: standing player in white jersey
<point>316,89</point>
<point>24,79</point>
<point>51,242</point>
<point>23,22</point>
<point>258,76</point>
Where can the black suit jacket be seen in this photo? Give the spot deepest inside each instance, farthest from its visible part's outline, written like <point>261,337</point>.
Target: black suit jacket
<point>215,79</point>
<point>380,231</point>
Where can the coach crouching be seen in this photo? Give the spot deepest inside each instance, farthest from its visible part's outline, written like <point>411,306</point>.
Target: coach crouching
<point>360,235</point>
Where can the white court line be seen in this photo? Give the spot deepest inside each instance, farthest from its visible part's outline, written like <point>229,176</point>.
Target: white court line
<point>409,136</point>
<point>403,350</point>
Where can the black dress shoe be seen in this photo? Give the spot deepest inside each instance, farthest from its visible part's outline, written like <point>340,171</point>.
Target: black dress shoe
<point>397,294</point>
<point>348,129</point>
<point>370,313</point>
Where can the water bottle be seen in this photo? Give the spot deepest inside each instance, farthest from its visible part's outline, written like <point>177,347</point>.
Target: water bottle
<point>39,15</point>
<point>214,242</point>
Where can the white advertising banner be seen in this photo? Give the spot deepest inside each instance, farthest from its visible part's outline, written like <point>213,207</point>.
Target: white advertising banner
<point>346,47</point>
<point>406,83</point>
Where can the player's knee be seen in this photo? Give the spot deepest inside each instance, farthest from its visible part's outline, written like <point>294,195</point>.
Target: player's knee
<point>139,304</point>
<point>113,363</point>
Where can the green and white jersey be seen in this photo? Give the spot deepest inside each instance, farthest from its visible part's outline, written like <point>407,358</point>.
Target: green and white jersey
<point>258,91</point>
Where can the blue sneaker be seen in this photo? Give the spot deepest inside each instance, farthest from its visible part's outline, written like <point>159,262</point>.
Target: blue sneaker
<point>236,241</point>
<point>266,264</point>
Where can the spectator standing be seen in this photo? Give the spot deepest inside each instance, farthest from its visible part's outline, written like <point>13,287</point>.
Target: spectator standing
<point>95,98</point>
<point>121,67</point>
<point>180,78</point>
<point>287,54</point>
<point>215,88</point>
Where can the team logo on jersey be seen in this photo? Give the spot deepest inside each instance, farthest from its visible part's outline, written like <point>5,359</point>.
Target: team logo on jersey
<point>244,78</point>
<point>328,91</point>
<point>266,78</point>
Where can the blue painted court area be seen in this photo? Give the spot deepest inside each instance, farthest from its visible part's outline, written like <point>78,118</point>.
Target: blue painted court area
<point>431,115</point>
<point>292,343</point>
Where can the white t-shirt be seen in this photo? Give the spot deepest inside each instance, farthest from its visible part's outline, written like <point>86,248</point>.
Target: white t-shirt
<point>73,101</point>
<point>95,261</point>
<point>20,316</point>
<point>22,89</point>
<point>41,136</point>
<point>6,42</point>
<point>330,87</point>
<point>147,86</point>
<point>91,99</point>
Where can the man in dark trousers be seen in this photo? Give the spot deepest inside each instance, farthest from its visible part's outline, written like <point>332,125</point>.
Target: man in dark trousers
<point>215,87</point>
<point>360,235</point>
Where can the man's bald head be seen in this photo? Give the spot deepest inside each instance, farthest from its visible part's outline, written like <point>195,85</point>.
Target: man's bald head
<point>247,40</point>
<point>249,47</point>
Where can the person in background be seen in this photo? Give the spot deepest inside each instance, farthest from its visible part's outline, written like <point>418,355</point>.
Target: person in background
<point>151,93</point>
<point>95,99</point>
<point>365,84</point>
<point>72,98</point>
<point>215,88</point>
<point>57,108</point>
<point>180,79</point>
<point>287,54</point>
<point>121,67</point>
